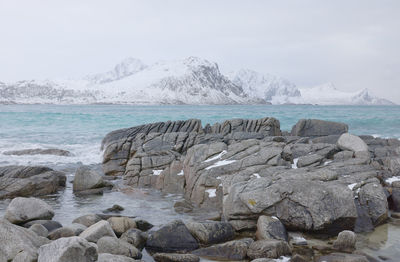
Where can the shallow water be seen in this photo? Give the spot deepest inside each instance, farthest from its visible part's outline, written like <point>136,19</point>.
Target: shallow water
<point>80,129</point>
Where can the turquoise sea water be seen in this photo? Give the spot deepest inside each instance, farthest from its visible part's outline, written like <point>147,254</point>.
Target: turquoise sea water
<point>80,128</point>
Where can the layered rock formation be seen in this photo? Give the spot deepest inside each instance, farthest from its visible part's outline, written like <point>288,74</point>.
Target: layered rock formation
<point>244,169</point>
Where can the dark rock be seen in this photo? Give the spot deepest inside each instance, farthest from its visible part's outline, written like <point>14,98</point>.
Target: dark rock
<point>143,225</point>
<point>172,237</point>
<point>268,249</point>
<point>135,237</point>
<point>316,128</point>
<point>39,151</point>
<point>50,225</point>
<point>114,209</point>
<point>61,232</point>
<point>208,233</point>
<point>171,257</point>
<point>270,228</point>
<point>25,181</point>
<point>232,250</point>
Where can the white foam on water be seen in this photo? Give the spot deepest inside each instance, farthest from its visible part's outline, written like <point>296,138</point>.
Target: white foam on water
<point>86,154</point>
<point>211,192</point>
<point>215,157</point>
<point>221,163</point>
<point>282,259</point>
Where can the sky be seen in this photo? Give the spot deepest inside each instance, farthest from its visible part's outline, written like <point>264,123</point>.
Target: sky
<point>352,44</point>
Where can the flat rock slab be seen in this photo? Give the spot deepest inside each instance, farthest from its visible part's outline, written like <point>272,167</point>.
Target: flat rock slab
<point>232,250</point>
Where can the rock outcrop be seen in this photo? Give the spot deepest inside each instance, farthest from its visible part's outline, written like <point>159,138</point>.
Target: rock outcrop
<point>26,181</point>
<point>316,128</point>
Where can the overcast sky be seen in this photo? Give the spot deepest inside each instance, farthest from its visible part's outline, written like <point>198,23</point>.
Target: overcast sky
<point>353,44</point>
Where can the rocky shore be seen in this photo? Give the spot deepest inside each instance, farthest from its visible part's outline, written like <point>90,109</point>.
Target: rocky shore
<point>271,195</point>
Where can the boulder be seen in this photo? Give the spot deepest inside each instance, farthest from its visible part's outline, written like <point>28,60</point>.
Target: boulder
<point>270,228</point>
<point>26,181</point>
<point>352,143</point>
<point>316,128</point>
<point>172,237</point>
<point>86,179</point>
<point>135,237</point>
<point>172,257</point>
<point>342,257</point>
<point>143,225</point>
<point>104,257</point>
<point>232,250</point>
<point>309,160</point>
<point>39,229</point>
<point>25,257</point>
<point>268,249</point>
<point>50,225</point>
<point>77,228</point>
<point>208,233</point>
<point>61,232</point>
<point>68,249</point>
<point>15,239</point>
<point>121,224</point>
<point>114,209</point>
<point>22,210</point>
<point>39,151</point>
<point>115,246</point>
<point>97,231</point>
<point>87,220</point>
<point>345,242</point>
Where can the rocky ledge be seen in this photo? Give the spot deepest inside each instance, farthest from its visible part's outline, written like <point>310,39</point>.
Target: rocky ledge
<point>317,178</point>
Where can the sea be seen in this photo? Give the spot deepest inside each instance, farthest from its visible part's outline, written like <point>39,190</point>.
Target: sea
<point>80,129</point>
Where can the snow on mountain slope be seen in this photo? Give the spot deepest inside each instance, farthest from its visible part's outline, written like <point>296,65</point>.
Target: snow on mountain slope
<point>188,81</point>
<point>327,94</point>
<point>271,88</point>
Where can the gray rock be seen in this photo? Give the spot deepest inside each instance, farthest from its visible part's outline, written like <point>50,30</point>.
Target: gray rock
<point>25,181</point>
<point>395,199</point>
<point>114,209</point>
<point>342,257</point>
<point>352,143</point>
<point>104,257</point>
<point>61,232</point>
<point>268,249</point>
<point>143,225</point>
<point>211,232</point>
<point>25,257</point>
<point>68,249</point>
<point>97,231</point>
<point>345,242</point>
<point>344,155</point>
<point>77,228</point>
<point>15,239</point>
<point>87,220</point>
<point>86,178</point>
<point>232,250</point>
<point>309,160</point>
<point>135,237</point>
<point>315,128</point>
<point>171,257</point>
<point>270,228</point>
<point>22,210</point>
<point>39,229</point>
<point>121,224</point>
<point>172,237</point>
<point>39,151</point>
<point>50,225</point>
<point>115,246</point>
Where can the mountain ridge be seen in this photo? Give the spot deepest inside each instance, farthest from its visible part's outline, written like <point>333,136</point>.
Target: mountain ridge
<point>192,80</point>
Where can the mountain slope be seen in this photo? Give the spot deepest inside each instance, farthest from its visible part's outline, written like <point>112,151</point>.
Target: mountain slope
<point>327,94</point>
<point>188,81</point>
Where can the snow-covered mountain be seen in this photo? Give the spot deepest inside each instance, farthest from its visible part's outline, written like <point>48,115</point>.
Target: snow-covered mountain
<point>188,81</point>
<point>271,88</point>
<point>327,94</point>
